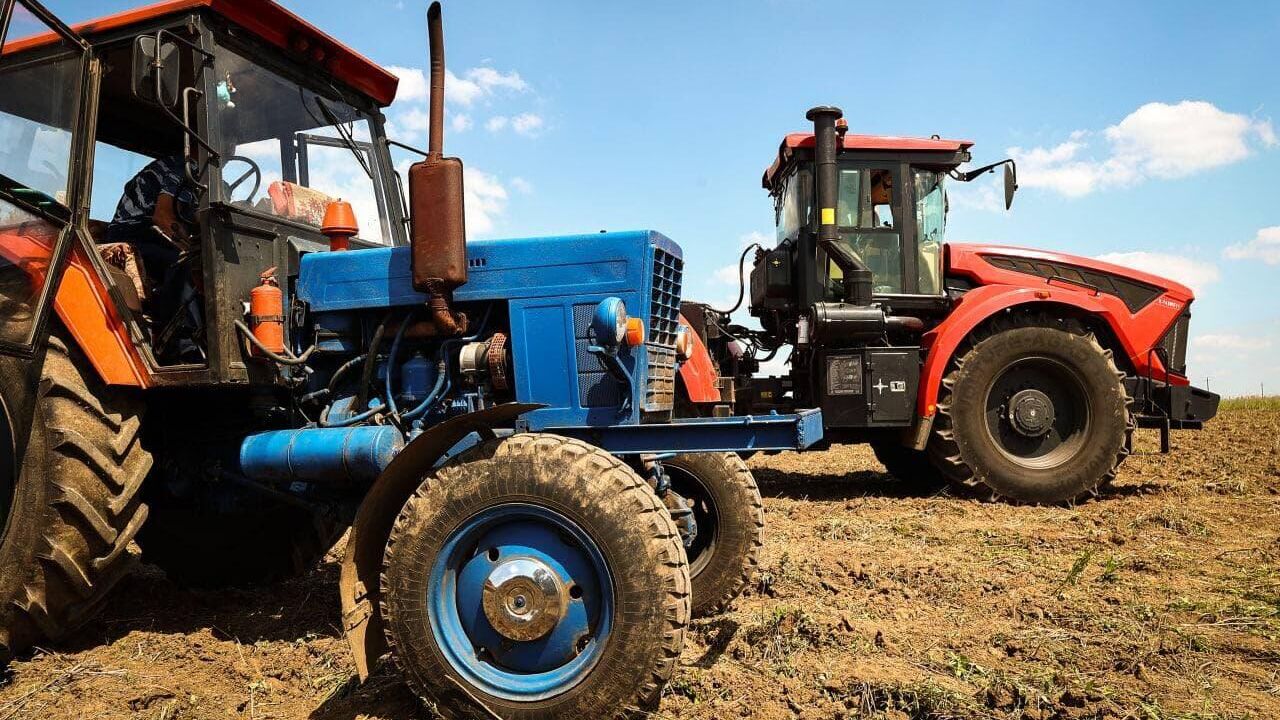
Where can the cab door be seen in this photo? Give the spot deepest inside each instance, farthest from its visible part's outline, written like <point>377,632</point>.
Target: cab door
<point>48,89</point>
<point>48,79</point>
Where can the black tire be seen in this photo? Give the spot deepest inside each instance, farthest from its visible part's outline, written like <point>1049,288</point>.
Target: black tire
<point>608,502</point>
<point>913,467</point>
<point>75,508</point>
<point>239,539</point>
<point>725,555</point>
<point>985,435</point>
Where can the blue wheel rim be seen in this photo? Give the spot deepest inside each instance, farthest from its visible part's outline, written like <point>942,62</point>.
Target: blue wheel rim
<point>514,670</point>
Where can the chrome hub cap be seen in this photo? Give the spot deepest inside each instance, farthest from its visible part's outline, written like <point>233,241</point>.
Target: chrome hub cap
<point>523,599</point>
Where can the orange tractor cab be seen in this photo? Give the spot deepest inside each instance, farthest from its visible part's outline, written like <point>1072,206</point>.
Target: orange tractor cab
<point>228,336</point>
<point>1020,371</point>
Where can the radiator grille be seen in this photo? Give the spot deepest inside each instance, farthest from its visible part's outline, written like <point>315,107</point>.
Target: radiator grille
<point>664,311</point>
<point>1175,344</point>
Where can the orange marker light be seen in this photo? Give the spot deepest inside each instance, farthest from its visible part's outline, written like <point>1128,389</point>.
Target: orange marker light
<point>339,225</point>
<point>1042,294</point>
<point>635,332</point>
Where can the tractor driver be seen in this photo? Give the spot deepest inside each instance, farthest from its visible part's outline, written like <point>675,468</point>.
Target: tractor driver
<point>156,216</point>
<point>882,197</point>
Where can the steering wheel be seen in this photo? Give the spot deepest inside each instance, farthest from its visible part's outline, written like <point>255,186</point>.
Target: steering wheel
<point>254,171</point>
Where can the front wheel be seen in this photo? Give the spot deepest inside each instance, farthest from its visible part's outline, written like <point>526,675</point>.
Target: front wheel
<point>726,505</point>
<point>1035,410</point>
<point>536,577</point>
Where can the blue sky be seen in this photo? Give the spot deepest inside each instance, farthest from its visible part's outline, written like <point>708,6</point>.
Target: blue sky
<point>1144,130</point>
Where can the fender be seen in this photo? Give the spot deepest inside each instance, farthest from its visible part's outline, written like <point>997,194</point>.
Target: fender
<point>83,303</point>
<point>979,304</point>
<point>362,559</point>
<point>85,306</point>
<point>698,373</point>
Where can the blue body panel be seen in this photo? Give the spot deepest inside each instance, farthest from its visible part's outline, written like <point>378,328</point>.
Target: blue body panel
<point>551,286</point>
<point>696,435</point>
<point>341,456</point>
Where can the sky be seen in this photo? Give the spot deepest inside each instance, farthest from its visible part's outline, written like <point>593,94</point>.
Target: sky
<point>1143,131</point>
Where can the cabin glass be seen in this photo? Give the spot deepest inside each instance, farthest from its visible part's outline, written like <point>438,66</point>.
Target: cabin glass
<point>309,148</point>
<point>931,223</point>
<point>869,224</point>
<point>41,91</point>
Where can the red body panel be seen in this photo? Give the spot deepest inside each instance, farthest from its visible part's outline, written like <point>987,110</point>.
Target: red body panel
<point>82,302</point>
<point>264,19</point>
<point>887,143</point>
<point>698,373</point>
<point>1137,332</point>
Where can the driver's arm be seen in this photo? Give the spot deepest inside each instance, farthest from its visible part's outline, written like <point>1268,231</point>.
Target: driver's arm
<point>165,217</point>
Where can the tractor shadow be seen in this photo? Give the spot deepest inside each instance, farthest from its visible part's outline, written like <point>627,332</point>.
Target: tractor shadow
<point>146,600</point>
<point>829,486</point>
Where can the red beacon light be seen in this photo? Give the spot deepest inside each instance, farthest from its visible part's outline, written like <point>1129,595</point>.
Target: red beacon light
<point>339,225</point>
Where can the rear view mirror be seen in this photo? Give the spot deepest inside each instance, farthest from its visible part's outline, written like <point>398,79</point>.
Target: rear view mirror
<point>157,71</point>
<point>1010,184</point>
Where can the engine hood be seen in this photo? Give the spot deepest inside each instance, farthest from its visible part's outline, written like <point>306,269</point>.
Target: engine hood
<point>962,256</point>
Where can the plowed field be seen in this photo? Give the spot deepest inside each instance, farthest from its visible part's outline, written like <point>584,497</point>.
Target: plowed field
<point>1159,599</point>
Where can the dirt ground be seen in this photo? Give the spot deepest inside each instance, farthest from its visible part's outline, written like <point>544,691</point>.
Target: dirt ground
<point>1158,600</point>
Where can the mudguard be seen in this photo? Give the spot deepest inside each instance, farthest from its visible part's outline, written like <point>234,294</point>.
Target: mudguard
<point>698,373</point>
<point>980,304</point>
<point>362,560</point>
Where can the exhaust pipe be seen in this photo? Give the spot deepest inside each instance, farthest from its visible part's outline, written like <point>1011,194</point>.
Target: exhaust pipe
<point>437,222</point>
<point>857,278</point>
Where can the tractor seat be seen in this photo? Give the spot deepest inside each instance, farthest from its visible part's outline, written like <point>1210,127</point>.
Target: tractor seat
<point>297,202</point>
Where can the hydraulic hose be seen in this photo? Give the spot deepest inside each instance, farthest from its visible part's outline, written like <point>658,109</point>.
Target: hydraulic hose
<point>371,362</point>
<point>391,359</point>
<point>443,362</point>
<point>742,281</point>
<point>272,356</point>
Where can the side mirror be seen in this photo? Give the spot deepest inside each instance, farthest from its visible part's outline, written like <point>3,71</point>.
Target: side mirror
<point>1010,183</point>
<point>157,71</point>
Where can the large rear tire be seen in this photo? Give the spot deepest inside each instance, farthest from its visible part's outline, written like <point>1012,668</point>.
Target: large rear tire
<point>75,509</point>
<point>536,577</point>
<point>726,504</point>
<point>1035,410</point>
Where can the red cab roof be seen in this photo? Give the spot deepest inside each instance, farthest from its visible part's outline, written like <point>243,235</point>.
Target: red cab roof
<point>265,20</point>
<point>888,143</point>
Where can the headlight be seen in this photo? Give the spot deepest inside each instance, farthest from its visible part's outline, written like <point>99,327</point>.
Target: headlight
<point>684,342</point>
<point>610,322</point>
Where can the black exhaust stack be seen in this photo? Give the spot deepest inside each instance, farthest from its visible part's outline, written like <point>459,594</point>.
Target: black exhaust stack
<point>857,278</point>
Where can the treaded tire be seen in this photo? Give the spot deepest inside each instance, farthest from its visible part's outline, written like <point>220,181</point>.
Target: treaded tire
<point>730,516</point>
<point>964,449</point>
<point>911,467</point>
<point>75,509</point>
<point>632,529</point>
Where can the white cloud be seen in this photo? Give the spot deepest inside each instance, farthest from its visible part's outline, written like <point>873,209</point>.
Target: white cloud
<point>729,275</point>
<point>755,237</point>
<point>987,195</point>
<point>413,83</point>
<point>1158,140</point>
<point>522,186</point>
<point>460,122</point>
<point>1195,274</point>
<point>497,123</point>
<point>527,124</point>
<point>1229,341</point>
<point>473,85</point>
<point>413,122</point>
<point>485,200</point>
<point>1264,246</point>
<point>490,79</point>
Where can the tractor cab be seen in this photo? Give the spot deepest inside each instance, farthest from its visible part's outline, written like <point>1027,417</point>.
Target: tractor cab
<point>889,214</point>
<point>252,120</point>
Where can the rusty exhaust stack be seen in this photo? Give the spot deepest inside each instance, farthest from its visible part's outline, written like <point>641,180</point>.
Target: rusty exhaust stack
<point>437,222</point>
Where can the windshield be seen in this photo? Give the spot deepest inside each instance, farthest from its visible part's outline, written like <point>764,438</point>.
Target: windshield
<point>289,152</point>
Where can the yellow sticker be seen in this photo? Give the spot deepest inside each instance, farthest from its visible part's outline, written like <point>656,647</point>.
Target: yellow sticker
<point>828,216</point>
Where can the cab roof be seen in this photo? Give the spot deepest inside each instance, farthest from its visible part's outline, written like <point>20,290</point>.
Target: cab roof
<point>266,21</point>
<point>883,143</point>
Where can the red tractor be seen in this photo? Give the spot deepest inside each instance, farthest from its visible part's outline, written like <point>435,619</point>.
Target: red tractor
<point>1020,371</point>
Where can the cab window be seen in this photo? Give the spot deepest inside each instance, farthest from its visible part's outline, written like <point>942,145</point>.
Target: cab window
<point>868,224</point>
<point>792,207</point>
<point>931,223</point>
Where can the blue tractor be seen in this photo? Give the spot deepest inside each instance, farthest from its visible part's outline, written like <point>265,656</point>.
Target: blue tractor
<point>530,531</point>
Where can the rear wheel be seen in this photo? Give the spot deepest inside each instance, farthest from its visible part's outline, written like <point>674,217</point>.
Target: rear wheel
<point>74,509</point>
<point>536,577</point>
<point>726,505</point>
<point>1035,410</point>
